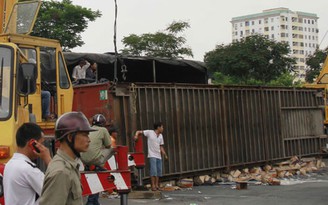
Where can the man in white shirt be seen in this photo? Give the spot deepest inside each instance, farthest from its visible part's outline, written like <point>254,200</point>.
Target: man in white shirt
<point>155,144</point>
<point>79,71</point>
<point>22,179</point>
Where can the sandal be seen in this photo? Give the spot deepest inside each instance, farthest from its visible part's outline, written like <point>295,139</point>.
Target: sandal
<point>50,118</point>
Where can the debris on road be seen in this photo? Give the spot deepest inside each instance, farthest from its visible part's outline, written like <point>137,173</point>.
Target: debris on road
<point>269,174</point>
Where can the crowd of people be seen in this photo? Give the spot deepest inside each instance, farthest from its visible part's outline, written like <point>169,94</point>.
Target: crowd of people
<point>24,183</point>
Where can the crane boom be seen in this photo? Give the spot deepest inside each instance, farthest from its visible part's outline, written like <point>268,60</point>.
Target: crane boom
<point>6,7</point>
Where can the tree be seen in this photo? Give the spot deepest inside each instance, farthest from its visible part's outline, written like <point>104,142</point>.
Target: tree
<point>160,44</point>
<point>252,60</point>
<point>315,64</point>
<point>63,21</point>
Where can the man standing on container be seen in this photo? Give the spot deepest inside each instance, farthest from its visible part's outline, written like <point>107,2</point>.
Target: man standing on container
<point>155,144</point>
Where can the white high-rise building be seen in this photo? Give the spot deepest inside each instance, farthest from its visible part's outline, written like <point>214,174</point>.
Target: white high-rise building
<point>298,29</point>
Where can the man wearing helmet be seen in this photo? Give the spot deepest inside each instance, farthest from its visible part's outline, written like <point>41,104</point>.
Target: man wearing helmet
<point>99,150</point>
<point>62,184</point>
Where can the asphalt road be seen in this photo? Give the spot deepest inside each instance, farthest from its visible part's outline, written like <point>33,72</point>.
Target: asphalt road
<point>302,190</point>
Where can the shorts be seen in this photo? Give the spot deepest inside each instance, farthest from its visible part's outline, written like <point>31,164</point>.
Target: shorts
<point>155,167</point>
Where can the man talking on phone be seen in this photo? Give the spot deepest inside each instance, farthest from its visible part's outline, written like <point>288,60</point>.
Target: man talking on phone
<point>22,180</point>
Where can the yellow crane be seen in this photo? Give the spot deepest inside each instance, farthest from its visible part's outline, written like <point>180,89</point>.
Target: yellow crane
<point>20,82</point>
<point>321,82</point>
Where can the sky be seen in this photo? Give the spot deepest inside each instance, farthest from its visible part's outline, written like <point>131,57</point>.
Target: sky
<point>209,20</point>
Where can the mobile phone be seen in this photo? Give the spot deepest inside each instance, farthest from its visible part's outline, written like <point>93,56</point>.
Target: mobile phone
<point>32,144</point>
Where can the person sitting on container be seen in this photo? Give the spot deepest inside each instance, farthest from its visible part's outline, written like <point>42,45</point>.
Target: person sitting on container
<point>91,72</point>
<point>79,71</point>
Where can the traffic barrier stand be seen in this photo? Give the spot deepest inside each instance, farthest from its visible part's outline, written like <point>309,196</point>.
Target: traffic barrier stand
<point>138,158</point>
<point>117,177</point>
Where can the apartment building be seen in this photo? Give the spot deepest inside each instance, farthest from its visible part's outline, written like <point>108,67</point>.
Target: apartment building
<point>298,29</point>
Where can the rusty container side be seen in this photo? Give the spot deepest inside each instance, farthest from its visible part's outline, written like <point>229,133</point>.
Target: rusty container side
<point>93,99</point>
<point>212,127</point>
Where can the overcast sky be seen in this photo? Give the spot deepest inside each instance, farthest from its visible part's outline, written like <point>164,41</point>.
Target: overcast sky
<point>209,20</point>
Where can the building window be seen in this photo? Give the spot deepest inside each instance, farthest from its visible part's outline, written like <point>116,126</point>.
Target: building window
<point>260,21</point>
<point>272,19</point>
<point>312,22</point>
<point>266,28</point>
<point>308,21</point>
<point>305,44</point>
<point>241,33</point>
<point>304,20</point>
<point>272,36</point>
<point>272,28</point>
<point>236,33</point>
<point>305,29</point>
<point>253,23</point>
<point>246,23</point>
<point>253,31</point>
<point>266,20</point>
<point>301,36</point>
<point>300,28</point>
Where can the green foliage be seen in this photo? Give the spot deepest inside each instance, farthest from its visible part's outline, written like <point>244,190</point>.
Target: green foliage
<point>63,21</point>
<point>315,64</point>
<point>285,79</point>
<point>160,44</point>
<point>252,60</point>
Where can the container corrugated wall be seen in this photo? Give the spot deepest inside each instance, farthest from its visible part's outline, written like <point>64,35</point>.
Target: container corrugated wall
<point>210,127</point>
